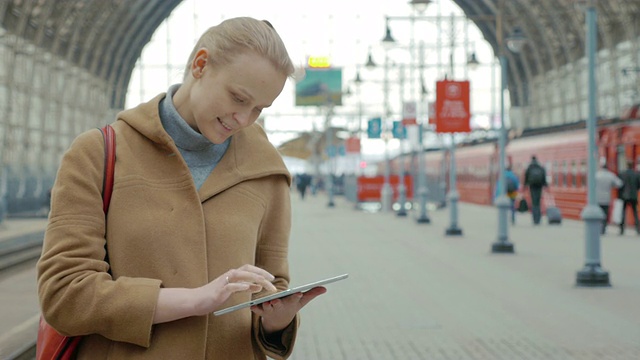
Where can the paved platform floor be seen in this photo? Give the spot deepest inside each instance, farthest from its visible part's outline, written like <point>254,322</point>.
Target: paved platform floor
<point>414,293</point>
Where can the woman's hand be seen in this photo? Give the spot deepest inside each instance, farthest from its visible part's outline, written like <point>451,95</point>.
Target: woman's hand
<point>277,314</point>
<point>247,278</point>
<point>178,303</point>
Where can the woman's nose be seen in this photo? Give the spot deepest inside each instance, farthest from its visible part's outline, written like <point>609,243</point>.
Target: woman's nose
<point>244,117</point>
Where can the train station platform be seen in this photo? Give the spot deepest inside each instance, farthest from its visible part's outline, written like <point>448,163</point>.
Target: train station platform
<point>415,293</point>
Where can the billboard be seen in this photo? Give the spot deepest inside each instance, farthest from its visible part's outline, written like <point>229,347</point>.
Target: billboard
<point>319,87</point>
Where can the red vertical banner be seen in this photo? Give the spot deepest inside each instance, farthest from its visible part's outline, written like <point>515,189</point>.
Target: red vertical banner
<point>352,145</point>
<point>452,106</point>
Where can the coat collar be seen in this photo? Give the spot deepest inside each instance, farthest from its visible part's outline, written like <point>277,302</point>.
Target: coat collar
<point>250,154</point>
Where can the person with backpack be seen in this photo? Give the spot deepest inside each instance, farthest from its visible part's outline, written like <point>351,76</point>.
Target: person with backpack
<point>535,178</point>
<point>513,185</point>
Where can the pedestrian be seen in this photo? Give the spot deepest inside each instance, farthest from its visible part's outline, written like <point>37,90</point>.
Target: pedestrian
<point>302,182</point>
<point>535,179</point>
<point>199,220</point>
<point>606,180</point>
<point>513,185</point>
<point>511,190</point>
<point>629,194</point>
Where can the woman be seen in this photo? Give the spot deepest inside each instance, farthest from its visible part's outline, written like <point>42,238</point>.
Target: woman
<point>198,190</point>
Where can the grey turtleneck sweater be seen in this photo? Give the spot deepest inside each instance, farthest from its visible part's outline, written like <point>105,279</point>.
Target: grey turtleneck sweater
<point>200,154</point>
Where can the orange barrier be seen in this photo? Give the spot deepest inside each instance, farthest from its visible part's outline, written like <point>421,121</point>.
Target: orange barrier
<point>369,188</point>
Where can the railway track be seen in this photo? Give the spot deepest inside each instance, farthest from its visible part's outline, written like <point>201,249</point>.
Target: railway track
<point>20,249</point>
<point>19,342</point>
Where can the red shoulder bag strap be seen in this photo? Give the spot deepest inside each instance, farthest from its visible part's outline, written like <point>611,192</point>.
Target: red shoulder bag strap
<point>109,165</point>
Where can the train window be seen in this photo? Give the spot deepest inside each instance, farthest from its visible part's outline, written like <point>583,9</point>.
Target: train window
<point>574,173</point>
<point>583,172</point>
<point>622,158</point>
<point>565,173</point>
<point>547,169</point>
<point>554,173</point>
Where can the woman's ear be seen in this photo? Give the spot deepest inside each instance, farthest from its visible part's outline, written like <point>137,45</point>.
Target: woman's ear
<point>199,63</point>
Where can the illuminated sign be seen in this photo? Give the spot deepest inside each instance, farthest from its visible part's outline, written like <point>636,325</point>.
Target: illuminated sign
<point>319,61</point>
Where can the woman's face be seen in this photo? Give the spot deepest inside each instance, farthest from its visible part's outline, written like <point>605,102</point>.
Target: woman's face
<point>224,99</point>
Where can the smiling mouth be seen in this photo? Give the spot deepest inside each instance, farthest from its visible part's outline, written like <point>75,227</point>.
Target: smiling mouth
<point>224,125</point>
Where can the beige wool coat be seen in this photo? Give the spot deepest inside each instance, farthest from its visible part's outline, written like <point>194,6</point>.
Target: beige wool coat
<point>162,232</point>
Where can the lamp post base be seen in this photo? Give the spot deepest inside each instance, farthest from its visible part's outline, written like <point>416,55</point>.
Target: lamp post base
<point>331,203</point>
<point>453,231</point>
<point>423,220</point>
<point>386,197</point>
<point>502,247</point>
<point>402,196</point>
<point>592,276</point>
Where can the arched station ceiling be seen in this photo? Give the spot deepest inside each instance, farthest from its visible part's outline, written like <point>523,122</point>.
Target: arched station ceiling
<point>555,32</point>
<point>106,37</point>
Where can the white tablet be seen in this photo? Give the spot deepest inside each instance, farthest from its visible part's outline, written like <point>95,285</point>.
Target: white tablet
<point>280,294</point>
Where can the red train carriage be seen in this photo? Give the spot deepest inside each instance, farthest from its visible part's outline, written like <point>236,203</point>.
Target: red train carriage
<point>562,153</point>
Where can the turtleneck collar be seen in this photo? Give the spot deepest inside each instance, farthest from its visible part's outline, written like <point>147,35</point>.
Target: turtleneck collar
<point>183,135</point>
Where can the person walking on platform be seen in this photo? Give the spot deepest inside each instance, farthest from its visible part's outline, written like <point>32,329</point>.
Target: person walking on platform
<point>606,180</point>
<point>629,194</point>
<point>199,219</point>
<point>302,183</point>
<point>513,185</point>
<point>535,178</point>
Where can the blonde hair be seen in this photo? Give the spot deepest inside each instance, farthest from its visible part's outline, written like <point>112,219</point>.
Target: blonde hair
<point>236,35</point>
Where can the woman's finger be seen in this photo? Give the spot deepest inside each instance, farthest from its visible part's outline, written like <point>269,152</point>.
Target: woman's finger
<point>243,276</point>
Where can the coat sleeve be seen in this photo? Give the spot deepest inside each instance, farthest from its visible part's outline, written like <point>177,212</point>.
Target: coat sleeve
<point>77,293</point>
<point>617,182</point>
<point>272,255</point>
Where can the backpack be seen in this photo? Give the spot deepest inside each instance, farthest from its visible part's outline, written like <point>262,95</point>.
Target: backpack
<point>536,176</point>
<point>512,185</point>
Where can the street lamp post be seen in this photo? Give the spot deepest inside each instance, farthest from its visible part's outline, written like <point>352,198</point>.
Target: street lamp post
<point>515,43</point>
<point>453,196</point>
<point>386,193</point>
<point>592,274</point>
<point>402,189</point>
<point>423,190</point>
<point>329,146</point>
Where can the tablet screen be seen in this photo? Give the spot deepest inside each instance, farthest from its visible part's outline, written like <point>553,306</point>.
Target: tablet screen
<point>280,294</point>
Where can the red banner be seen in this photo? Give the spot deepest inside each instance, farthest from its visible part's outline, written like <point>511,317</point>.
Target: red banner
<point>452,106</point>
<point>352,145</point>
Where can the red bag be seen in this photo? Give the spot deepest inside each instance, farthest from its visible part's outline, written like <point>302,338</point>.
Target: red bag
<point>51,345</point>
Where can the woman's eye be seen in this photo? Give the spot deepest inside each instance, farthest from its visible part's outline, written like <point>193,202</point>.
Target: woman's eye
<point>238,99</point>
